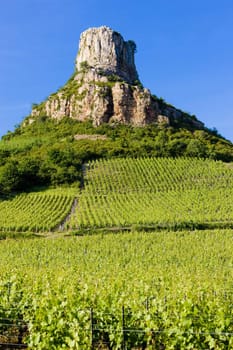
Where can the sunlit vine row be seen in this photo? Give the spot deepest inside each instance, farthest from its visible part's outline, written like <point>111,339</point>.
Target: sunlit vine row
<point>156,174</point>
<point>176,289</point>
<point>160,192</point>
<point>37,211</point>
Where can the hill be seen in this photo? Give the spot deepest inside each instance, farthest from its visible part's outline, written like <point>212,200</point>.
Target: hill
<point>155,193</point>
<point>50,152</point>
<point>103,98</point>
<point>105,87</point>
<point>104,154</point>
<point>125,193</point>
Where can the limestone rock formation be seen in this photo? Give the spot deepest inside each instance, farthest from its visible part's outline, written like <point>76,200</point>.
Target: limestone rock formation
<point>105,50</point>
<point>105,86</point>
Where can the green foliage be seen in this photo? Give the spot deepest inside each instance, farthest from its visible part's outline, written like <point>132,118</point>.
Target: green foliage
<point>161,193</point>
<point>196,148</point>
<point>110,83</point>
<point>69,89</point>
<point>119,193</point>
<point>138,83</point>
<point>176,288</point>
<point>9,177</point>
<point>40,140</point>
<point>84,66</point>
<point>155,192</point>
<point>42,210</point>
<point>114,78</point>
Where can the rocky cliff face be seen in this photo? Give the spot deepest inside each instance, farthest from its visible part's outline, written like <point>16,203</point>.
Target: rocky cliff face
<point>105,51</point>
<point>105,86</point>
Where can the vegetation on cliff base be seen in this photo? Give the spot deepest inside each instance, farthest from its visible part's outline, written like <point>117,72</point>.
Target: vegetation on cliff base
<point>47,153</point>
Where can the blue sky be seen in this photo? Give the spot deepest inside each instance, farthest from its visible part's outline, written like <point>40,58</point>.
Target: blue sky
<point>184,52</point>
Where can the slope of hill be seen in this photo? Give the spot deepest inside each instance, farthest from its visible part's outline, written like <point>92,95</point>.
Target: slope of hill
<point>104,92</point>
<point>105,87</point>
<point>39,211</point>
<point>161,192</point>
<point>50,152</point>
<point>128,193</point>
<point>145,165</point>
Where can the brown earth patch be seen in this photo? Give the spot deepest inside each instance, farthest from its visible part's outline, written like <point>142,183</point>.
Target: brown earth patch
<point>90,137</point>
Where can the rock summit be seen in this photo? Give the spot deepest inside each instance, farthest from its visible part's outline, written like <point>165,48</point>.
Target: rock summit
<point>106,51</point>
<point>105,87</point>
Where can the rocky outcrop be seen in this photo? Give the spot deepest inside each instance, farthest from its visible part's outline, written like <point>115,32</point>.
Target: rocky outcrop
<point>104,103</point>
<point>105,87</point>
<point>105,51</point>
<point>133,105</point>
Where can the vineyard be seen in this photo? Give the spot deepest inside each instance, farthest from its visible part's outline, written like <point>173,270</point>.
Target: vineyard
<point>158,290</point>
<point>36,211</point>
<point>129,193</point>
<point>162,289</point>
<point>170,193</point>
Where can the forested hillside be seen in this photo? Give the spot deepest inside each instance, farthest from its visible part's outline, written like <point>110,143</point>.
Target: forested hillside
<point>50,152</point>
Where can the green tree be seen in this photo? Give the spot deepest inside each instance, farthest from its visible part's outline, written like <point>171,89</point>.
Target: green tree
<point>196,148</point>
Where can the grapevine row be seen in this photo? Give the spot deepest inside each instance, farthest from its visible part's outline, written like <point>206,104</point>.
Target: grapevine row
<point>177,293</point>
<point>35,211</point>
<point>160,192</point>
